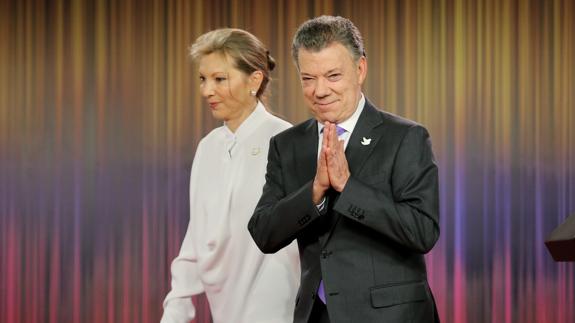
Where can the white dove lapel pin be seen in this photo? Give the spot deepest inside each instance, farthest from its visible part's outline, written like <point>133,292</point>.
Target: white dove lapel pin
<point>365,141</point>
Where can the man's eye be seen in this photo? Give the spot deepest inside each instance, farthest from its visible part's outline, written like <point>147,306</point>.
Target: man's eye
<point>334,77</point>
<point>202,79</point>
<point>220,79</point>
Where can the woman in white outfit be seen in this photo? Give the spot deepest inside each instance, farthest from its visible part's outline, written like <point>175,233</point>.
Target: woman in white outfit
<point>218,256</point>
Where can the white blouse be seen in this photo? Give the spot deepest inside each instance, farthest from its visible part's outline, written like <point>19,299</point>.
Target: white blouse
<point>218,255</point>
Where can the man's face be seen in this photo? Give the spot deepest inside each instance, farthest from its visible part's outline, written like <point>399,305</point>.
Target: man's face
<point>331,81</point>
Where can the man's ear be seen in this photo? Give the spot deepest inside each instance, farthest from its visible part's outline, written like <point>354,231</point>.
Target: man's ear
<point>361,69</point>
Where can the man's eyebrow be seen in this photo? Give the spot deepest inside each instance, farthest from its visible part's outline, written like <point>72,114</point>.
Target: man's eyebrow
<point>334,70</point>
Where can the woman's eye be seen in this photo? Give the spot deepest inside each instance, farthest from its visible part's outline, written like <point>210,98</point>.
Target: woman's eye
<point>220,79</point>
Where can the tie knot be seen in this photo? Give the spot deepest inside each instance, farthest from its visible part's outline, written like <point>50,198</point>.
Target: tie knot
<point>340,131</point>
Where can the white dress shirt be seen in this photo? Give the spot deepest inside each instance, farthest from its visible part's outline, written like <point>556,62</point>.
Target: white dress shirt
<point>218,255</point>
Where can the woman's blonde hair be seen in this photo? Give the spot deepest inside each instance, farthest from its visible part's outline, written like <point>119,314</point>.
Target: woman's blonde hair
<point>247,52</point>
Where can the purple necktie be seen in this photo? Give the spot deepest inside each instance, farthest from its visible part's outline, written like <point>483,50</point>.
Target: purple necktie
<point>339,130</point>
<point>321,290</point>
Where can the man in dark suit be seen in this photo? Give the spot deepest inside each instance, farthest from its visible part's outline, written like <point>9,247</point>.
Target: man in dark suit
<point>357,188</point>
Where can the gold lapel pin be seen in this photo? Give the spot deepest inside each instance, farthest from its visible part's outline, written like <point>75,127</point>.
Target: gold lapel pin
<point>256,151</point>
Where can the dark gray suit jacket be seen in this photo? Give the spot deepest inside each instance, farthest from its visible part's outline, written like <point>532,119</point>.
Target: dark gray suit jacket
<point>369,246</point>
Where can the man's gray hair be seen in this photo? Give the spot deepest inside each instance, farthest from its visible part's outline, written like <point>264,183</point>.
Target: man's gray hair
<point>320,32</point>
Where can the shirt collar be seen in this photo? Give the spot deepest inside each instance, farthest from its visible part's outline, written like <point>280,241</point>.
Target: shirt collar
<point>349,123</point>
<point>248,125</point>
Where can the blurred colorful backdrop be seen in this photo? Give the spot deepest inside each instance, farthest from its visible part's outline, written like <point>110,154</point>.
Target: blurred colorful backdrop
<point>100,116</point>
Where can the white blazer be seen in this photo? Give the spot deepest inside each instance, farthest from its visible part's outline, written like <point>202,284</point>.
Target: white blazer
<point>218,255</point>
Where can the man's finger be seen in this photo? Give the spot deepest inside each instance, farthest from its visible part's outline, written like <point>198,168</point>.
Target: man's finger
<point>326,134</point>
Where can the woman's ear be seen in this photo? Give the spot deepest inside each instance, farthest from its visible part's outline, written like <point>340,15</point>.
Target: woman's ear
<point>256,79</point>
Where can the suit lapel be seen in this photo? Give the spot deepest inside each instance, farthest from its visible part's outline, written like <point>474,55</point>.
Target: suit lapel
<point>305,152</point>
<point>363,138</point>
<point>361,144</point>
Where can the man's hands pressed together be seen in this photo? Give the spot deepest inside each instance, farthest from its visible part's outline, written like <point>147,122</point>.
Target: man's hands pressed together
<point>332,168</point>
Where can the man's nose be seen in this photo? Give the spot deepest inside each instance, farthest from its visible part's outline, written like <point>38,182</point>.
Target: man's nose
<point>321,88</point>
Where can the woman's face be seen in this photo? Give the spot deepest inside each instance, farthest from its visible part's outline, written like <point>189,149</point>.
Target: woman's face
<point>226,89</point>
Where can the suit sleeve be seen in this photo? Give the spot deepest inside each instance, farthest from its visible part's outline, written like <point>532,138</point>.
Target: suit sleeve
<point>278,218</point>
<point>409,213</point>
